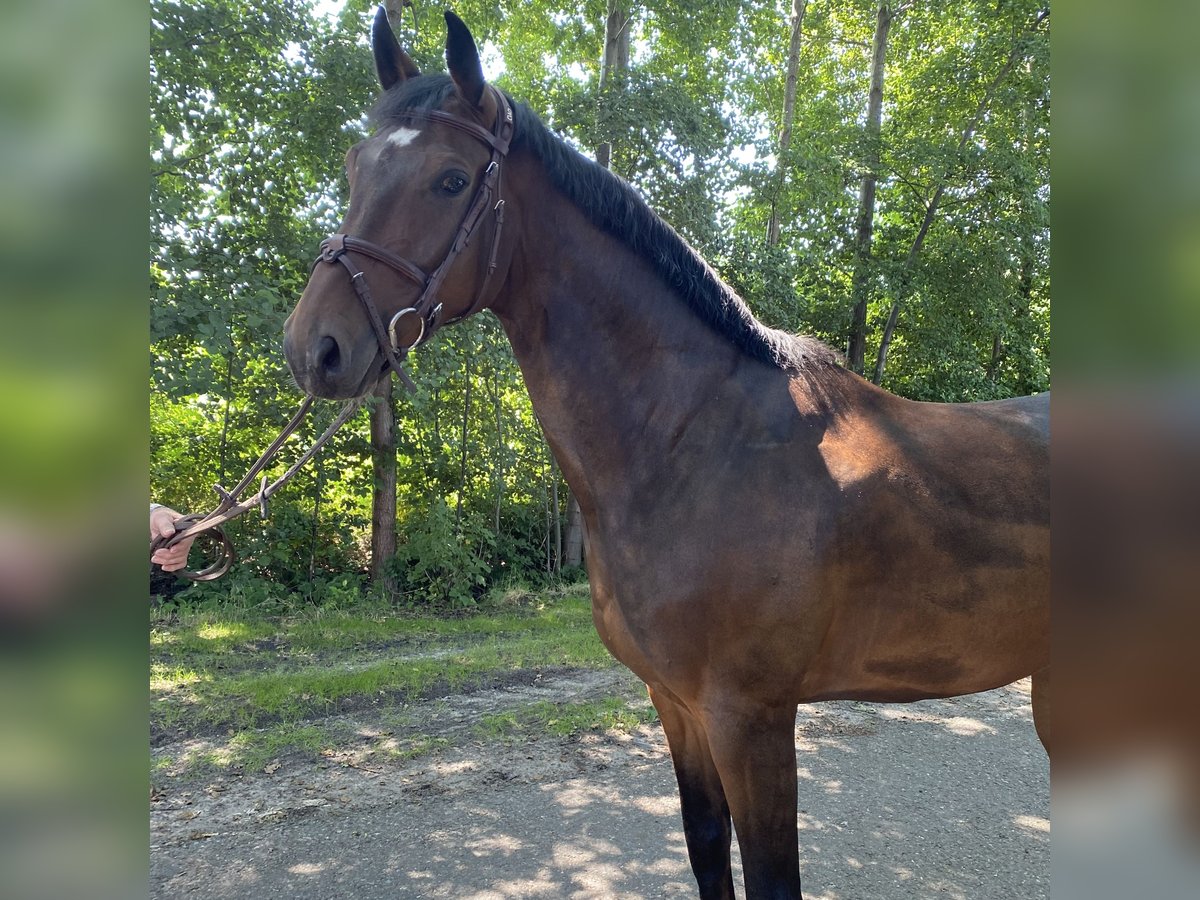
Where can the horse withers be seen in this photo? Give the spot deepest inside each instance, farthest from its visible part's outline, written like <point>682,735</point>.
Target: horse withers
<point>764,528</point>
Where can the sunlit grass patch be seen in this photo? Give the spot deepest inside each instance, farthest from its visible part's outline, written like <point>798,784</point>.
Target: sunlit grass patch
<point>254,749</point>
<point>609,713</point>
<point>213,635</point>
<point>519,596</point>
<point>319,630</point>
<point>412,747</point>
<point>568,719</point>
<point>166,678</point>
<point>246,750</point>
<point>341,629</point>
<point>223,631</point>
<point>199,761</point>
<point>291,695</point>
<point>268,683</point>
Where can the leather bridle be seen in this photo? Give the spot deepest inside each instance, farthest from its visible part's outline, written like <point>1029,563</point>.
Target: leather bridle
<point>344,248</point>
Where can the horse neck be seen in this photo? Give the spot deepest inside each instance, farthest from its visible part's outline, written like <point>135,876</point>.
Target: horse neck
<point>616,364</point>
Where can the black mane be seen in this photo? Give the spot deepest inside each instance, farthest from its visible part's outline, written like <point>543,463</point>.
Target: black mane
<point>613,206</point>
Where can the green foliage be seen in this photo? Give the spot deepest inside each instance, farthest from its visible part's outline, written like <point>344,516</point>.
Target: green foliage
<point>252,106</point>
<point>441,562</point>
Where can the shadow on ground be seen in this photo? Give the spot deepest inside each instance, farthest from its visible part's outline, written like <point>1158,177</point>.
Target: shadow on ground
<point>934,799</point>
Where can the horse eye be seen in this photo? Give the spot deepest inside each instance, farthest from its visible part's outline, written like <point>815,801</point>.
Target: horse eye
<point>453,183</point>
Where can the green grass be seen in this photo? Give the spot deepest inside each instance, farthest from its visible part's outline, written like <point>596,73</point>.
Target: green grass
<point>568,719</point>
<point>262,687</point>
<point>209,632</point>
<point>209,636</point>
<point>254,749</point>
<point>212,691</point>
<point>415,747</point>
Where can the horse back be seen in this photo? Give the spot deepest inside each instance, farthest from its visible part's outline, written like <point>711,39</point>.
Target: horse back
<point>936,574</point>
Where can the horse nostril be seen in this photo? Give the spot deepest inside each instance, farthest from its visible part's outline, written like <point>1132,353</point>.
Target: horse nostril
<point>329,356</point>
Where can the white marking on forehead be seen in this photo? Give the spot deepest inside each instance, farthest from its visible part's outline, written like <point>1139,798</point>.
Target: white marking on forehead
<point>402,137</point>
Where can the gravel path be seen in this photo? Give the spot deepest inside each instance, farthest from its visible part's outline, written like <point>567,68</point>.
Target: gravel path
<point>934,799</point>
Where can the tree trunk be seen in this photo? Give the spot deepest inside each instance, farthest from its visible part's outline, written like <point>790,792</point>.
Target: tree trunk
<point>426,480</point>
<point>395,11</point>
<point>614,63</point>
<point>889,330</point>
<point>462,464</point>
<point>319,486</point>
<point>997,358</point>
<point>225,417</point>
<point>931,208</point>
<point>616,41</point>
<point>499,456</point>
<point>573,554</point>
<point>383,494</point>
<point>789,116</point>
<point>856,347</point>
<point>556,536</point>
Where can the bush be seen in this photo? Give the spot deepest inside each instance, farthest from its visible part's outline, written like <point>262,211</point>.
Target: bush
<point>441,564</point>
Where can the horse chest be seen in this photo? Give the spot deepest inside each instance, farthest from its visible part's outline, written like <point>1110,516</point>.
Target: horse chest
<point>620,633</point>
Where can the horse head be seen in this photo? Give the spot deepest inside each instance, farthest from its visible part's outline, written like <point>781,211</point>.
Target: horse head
<point>422,242</point>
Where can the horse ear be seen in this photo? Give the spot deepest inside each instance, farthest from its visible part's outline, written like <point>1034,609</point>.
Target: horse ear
<point>391,62</point>
<point>462,59</point>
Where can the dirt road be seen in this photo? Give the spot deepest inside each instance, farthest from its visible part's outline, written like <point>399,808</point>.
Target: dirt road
<point>933,799</point>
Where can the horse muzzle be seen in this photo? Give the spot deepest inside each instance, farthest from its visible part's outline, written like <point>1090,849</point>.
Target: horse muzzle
<point>328,363</point>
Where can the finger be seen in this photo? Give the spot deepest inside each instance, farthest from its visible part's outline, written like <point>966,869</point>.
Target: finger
<point>169,558</point>
<point>173,558</point>
<point>162,526</point>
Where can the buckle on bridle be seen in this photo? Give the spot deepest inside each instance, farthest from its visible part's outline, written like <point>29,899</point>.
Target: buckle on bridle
<point>333,247</point>
<point>400,315</point>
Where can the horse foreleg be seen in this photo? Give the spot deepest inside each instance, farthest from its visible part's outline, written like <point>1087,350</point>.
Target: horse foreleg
<point>754,749</point>
<point>705,813</point>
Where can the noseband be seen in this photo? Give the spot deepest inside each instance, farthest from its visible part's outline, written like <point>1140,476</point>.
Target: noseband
<point>342,248</point>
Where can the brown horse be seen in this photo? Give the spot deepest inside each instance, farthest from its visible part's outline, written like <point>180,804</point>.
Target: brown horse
<point>764,528</point>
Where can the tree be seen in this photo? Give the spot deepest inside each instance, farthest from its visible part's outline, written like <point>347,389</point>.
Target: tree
<point>1020,46</point>
<point>799,7</point>
<point>865,229</point>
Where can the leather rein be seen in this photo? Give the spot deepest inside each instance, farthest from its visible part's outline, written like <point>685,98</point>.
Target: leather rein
<point>342,249</point>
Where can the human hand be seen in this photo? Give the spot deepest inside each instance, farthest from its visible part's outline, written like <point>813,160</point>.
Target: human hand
<point>162,525</point>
